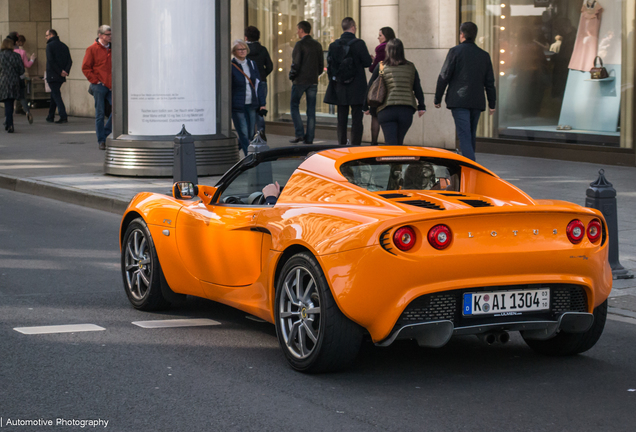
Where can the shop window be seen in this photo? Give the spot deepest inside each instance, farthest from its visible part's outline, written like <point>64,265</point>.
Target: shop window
<point>277,22</point>
<point>542,53</point>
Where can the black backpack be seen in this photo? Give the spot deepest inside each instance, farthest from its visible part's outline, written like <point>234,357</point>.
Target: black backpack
<point>341,65</point>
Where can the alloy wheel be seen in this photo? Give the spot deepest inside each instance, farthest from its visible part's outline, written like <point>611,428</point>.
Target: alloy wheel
<point>138,269</point>
<point>299,312</point>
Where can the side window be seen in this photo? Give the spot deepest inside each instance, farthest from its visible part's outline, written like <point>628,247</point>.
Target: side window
<point>247,187</point>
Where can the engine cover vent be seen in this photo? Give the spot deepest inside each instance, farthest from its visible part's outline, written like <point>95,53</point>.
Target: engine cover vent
<point>393,195</point>
<point>477,203</point>
<point>423,203</point>
<point>453,194</point>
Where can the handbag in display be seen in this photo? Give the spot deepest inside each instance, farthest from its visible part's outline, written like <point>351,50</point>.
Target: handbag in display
<point>598,72</point>
<point>377,92</point>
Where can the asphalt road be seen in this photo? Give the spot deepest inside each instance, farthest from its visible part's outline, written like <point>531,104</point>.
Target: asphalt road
<point>59,264</point>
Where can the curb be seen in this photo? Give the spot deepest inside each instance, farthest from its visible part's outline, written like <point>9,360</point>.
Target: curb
<point>69,195</point>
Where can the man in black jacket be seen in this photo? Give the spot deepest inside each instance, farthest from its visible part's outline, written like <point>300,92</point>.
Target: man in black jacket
<point>344,91</point>
<point>307,65</point>
<point>467,71</point>
<point>259,55</point>
<point>58,66</point>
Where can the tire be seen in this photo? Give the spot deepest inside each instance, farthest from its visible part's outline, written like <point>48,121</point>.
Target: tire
<point>312,331</point>
<point>566,344</point>
<point>141,271</point>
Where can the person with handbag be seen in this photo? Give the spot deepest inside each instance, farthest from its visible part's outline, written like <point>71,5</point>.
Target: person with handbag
<point>246,99</point>
<point>28,62</point>
<point>384,36</point>
<point>402,95</point>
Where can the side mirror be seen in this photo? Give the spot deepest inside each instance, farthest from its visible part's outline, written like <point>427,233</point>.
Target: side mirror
<point>184,190</point>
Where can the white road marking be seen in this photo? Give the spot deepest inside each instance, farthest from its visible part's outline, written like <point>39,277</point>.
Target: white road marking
<point>197,322</point>
<point>70,328</point>
<point>621,319</point>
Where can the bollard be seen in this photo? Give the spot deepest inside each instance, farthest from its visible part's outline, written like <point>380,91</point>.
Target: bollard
<point>602,196</point>
<point>185,158</point>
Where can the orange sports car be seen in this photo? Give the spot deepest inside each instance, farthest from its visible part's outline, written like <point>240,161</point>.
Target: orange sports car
<point>390,242</point>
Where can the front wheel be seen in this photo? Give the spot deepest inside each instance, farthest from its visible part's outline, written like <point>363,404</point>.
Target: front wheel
<point>312,331</point>
<point>140,268</point>
<point>565,344</point>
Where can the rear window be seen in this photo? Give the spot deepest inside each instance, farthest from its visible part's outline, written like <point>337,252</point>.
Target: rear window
<point>403,173</point>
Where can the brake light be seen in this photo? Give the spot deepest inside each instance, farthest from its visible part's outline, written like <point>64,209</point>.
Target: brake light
<point>594,230</point>
<point>440,236</point>
<point>575,231</point>
<point>404,238</point>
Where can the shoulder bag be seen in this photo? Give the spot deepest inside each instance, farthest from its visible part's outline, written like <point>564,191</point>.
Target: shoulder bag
<point>377,91</point>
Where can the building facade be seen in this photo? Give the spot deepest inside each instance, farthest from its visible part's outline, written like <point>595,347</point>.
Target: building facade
<point>548,103</point>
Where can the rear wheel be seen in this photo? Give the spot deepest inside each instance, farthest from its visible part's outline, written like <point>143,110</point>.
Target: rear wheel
<point>564,344</point>
<point>312,331</point>
<point>140,269</point>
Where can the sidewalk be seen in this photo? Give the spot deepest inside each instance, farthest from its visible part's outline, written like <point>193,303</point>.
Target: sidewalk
<point>63,162</point>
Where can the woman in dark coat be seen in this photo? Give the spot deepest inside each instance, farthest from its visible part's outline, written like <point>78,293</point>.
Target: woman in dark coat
<point>384,35</point>
<point>11,68</point>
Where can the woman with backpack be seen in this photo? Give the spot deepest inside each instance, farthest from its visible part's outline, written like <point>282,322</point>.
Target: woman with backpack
<point>404,95</point>
<point>384,35</point>
<point>246,99</point>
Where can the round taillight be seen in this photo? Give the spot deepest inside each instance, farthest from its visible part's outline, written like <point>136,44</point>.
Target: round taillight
<point>404,238</point>
<point>594,230</point>
<point>440,236</point>
<point>575,231</point>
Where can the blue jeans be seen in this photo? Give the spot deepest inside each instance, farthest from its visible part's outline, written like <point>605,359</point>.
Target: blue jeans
<point>244,124</point>
<point>466,121</point>
<point>260,120</point>
<point>101,93</point>
<point>395,121</point>
<point>296,96</point>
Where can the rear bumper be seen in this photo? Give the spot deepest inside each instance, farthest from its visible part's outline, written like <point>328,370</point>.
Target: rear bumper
<point>373,287</point>
<point>435,334</point>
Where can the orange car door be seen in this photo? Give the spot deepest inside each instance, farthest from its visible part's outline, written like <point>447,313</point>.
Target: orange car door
<point>217,243</point>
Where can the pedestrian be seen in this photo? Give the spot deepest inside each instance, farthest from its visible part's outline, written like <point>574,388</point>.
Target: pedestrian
<point>27,62</point>
<point>246,100</point>
<point>11,68</point>
<point>58,66</point>
<point>466,72</point>
<point>308,63</point>
<point>259,55</point>
<point>97,68</point>
<point>404,95</point>
<point>347,59</point>
<point>384,35</point>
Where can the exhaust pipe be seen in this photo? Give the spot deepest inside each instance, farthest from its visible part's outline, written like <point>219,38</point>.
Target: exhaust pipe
<point>487,338</point>
<point>503,337</point>
<point>493,337</point>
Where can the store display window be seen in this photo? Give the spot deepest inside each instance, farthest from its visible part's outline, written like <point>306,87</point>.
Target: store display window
<point>564,69</point>
<point>277,22</point>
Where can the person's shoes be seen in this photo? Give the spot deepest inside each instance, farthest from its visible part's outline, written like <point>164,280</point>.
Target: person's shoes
<point>30,117</point>
<point>49,120</point>
<point>10,129</point>
<point>296,140</point>
<point>102,146</point>
<point>60,121</point>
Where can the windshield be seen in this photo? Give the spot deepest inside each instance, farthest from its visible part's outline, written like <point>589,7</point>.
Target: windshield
<point>402,173</point>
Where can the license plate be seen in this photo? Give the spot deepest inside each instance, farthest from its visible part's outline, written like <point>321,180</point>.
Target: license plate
<point>508,302</point>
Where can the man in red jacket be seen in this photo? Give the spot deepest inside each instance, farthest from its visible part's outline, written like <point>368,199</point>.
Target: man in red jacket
<point>98,70</point>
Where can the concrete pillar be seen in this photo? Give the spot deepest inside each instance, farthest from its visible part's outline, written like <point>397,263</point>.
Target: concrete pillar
<point>76,23</point>
<point>428,28</point>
